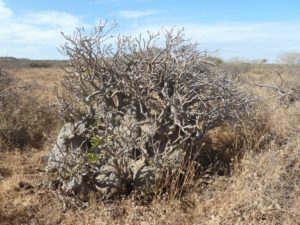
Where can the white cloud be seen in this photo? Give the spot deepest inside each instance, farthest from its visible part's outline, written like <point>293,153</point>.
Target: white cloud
<point>34,35</point>
<point>136,13</point>
<point>52,18</point>
<point>248,40</point>
<point>5,12</point>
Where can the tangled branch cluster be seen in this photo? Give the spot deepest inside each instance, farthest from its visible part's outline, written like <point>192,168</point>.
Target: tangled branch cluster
<point>149,102</point>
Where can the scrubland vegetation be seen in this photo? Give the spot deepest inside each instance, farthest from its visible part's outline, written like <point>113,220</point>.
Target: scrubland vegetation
<point>248,171</point>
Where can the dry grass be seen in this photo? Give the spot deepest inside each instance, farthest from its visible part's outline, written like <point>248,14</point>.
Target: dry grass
<point>27,115</point>
<point>46,79</point>
<point>263,188</point>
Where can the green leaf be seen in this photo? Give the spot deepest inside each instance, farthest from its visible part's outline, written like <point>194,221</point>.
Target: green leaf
<point>92,157</point>
<point>96,141</point>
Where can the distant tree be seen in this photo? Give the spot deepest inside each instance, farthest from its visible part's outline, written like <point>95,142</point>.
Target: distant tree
<point>215,60</point>
<point>258,61</point>
<point>264,61</point>
<point>290,58</point>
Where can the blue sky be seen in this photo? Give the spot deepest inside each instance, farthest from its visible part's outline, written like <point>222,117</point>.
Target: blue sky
<point>246,29</point>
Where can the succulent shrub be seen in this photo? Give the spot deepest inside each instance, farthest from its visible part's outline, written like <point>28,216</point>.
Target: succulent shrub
<point>148,103</point>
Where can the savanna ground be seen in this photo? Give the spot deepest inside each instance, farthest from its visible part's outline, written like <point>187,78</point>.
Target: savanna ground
<point>262,188</point>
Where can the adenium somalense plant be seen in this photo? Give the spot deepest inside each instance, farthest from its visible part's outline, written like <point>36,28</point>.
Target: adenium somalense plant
<point>138,112</point>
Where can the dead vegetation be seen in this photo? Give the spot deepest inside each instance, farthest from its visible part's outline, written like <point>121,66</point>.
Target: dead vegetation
<point>25,120</point>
